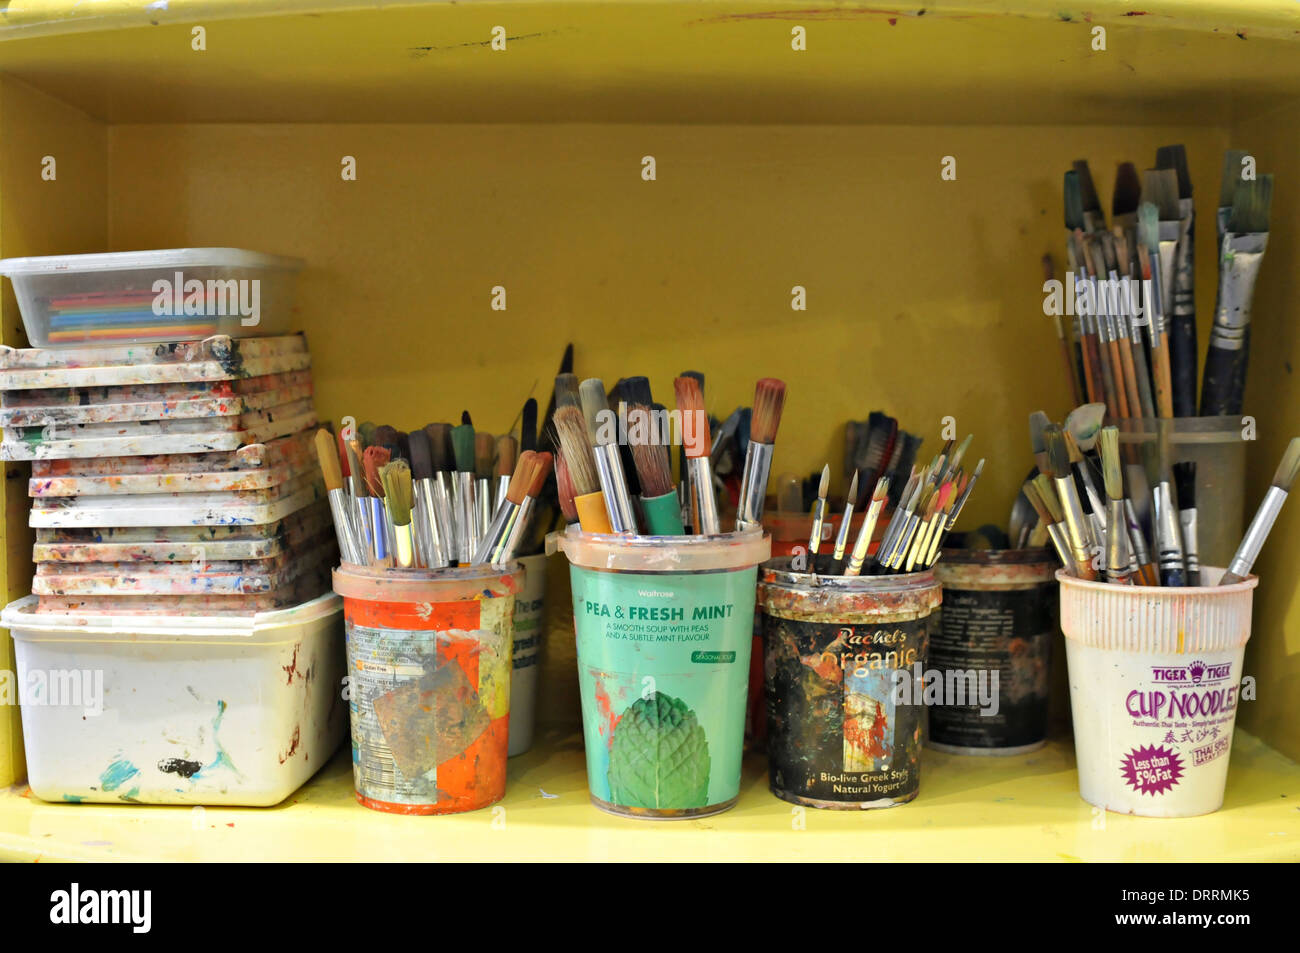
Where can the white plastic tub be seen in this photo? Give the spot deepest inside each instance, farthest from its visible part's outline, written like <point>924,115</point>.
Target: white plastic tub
<point>175,294</point>
<point>162,710</point>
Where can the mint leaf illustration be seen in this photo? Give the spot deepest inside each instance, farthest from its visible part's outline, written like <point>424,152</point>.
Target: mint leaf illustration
<point>660,756</point>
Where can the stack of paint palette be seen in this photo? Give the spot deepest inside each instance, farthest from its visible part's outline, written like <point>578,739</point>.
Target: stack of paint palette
<point>170,478</point>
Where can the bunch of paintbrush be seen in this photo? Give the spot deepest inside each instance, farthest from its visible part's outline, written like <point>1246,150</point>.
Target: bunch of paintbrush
<point>1131,289</point>
<point>435,497</point>
<point>614,472</point>
<point>928,506</point>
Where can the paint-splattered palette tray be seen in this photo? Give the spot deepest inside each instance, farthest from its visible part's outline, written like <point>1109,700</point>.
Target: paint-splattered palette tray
<point>210,578</point>
<point>157,436</point>
<point>311,584</point>
<point>248,468</point>
<point>177,509</point>
<point>182,486</point>
<point>181,543</point>
<point>212,359</point>
<point>94,405</point>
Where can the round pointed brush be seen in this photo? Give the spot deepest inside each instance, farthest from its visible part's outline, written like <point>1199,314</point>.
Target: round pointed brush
<point>1265,516</point>
<point>842,537</point>
<point>819,511</point>
<point>507,454</point>
<point>374,459</point>
<point>769,401</point>
<point>695,444</point>
<point>862,545</point>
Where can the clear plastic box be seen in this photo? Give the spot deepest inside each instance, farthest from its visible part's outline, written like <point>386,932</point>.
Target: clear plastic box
<point>176,294</point>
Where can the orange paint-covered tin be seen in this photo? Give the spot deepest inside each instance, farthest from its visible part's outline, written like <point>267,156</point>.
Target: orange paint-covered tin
<point>429,656</point>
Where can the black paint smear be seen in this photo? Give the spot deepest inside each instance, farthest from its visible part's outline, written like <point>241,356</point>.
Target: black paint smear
<point>186,769</point>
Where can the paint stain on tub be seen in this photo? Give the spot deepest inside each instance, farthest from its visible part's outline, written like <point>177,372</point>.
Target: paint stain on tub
<point>293,744</point>
<point>222,760</point>
<point>186,769</point>
<point>292,668</point>
<point>117,774</point>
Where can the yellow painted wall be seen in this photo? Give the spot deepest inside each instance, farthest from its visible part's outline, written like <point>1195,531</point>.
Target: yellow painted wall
<point>64,215</point>
<point>924,296</point>
<point>1273,396</point>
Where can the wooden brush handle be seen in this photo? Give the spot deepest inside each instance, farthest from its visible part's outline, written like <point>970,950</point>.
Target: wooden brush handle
<point>1164,397</point>
<point>1121,380</point>
<point>1092,364</point>
<point>1142,379</point>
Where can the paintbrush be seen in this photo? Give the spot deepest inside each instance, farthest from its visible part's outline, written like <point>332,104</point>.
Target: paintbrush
<point>564,490</point>
<point>1182,327</point>
<point>1123,215</point>
<point>541,470</point>
<point>431,535</point>
<point>492,547</point>
<point>769,401</point>
<point>340,509</point>
<point>695,445</point>
<point>463,495</point>
<point>1185,487</point>
<point>1118,561</point>
<point>1058,467</point>
<point>1119,306</point>
<point>442,461</point>
<point>879,451</point>
<point>1165,528</point>
<point>1094,219</point>
<point>659,502</point>
<point>396,477</point>
<point>898,518</point>
<point>580,463</point>
<point>1076,265</point>
<point>954,512</point>
<point>1265,516</point>
<point>528,426</point>
<point>862,546</point>
<point>1154,304</point>
<point>566,391</point>
<point>894,548</point>
<point>1143,564</point>
<point>842,537</point>
<point>358,497</point>
<point>1067,350</point>
<point>484,450</point>
<point>365,431</point>
<point>933,515</point>
<point>619,402</point>
<point>819,513</point>
<point>373,459</point>
<point>1241,253</point>
<point>609,465</point>
<point>545,431</point>
<point>1055,532</point>
<point>507,455</point>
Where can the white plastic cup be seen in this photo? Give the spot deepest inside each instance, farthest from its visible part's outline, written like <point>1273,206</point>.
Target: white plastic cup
<point>1155,675</point>
<point>530,610</point>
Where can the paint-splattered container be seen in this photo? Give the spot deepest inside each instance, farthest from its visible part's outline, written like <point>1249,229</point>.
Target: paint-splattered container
<point>167,710</point>
<point>992,648</point>
<point>664,626</point>
<point>1155,676</point>
<point>530,610</point>
<point>843,660</point>
<point>429,655</point>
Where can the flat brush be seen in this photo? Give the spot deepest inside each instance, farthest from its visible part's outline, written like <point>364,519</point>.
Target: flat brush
<point>373,459</point>
<point>659,503</point>
<point>1265,516</point>
<point>564,490</point>
<point>1143,563</point>
<point>862,546</point>
<point>484,492</point>
<point>1168,534</point>
<point>1054,530</point>
<point>442,461</point>
<point>1185,487</point>
<point>695,444</point>
<point>1094,219</point>
<point>1058,467</point>
<point>464,492</point>
<point>541,471</point>
<point>769,401</point>
<point>1118,562</point>
<point>431,534</point>
<point>1155,306</point>
<point>507,455</point>
<point>528,426</point>
<point>609,464</point>
<point>685,491</point>
<point>492,547</point>
<point>842,537</point>
<point>340,509</point>
<point>580,465</point>
<point>396,477</point>
<point>1182,328</point>
<point>1241,254</point>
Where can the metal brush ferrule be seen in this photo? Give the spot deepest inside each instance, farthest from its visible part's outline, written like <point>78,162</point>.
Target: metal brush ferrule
<point>613,483</point>
<point>430,542</point>
<point>1260,525</point>
<point>465,516</point>
<point>753,485</point>
<point>1062,546</point>
<point>898,547</point>
<point>1238,268</point>
<point>1095,500</point>
<point>1075,528</point>
<point>863,542</point>
<point>1191,556</point>
<point>818,521</point>
<point>444,512</point>
<point>492,546</point>
<point>482,507</point>
<point>1168,536</point>
<point>403,546</point>
<point>1135,534</point>
<point>344,528</point>
<point>380,550</point>
<point>518,527</point>
<point>1118,564</point>
<point>702,498</point>
<point>842,536</point>
<point>1184,262</point>
<point>503,484</point>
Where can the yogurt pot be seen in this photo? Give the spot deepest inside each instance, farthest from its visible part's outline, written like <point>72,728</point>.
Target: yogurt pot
<point>1154,686</point>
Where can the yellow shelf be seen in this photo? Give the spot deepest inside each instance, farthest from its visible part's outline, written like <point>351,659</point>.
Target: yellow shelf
<point>1024,808</point>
